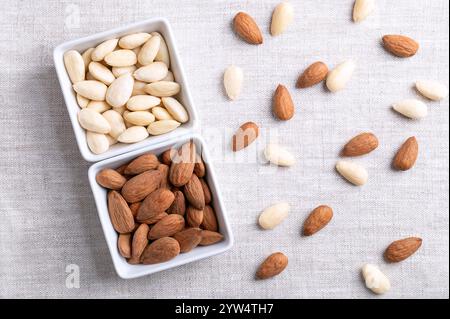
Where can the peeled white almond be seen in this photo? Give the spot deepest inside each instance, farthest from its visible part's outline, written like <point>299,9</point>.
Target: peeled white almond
<point>93,121</point>
<point>375,280</point>
<point>362,9</point>
<point>162,127</point>
<point>133,134</point>
<point>232,80</point>
<point>278,155</point>
<point>98,143</point>
<point>120,109</point>
<point>411,108</point>
<point>134,40</point>
<point>142,102</point>
<point>111,140</point>
<point>338,78</point>
<point>121,58</point>
<point>149,50</point>
<point>272,216</point>
<point>354,173</point>
<point>98,106</point>
<point>138,88</point>
<point>119,92</point>
<point>74,66</point>
<point>116,122</point>
<point>89,76</point>
<point>152,72</point>
<point>163,52</point>
<point>142,118</point>
<point>163,88</point>
<point>82,101</point>
<point>281,18</point>
<point>432,89</point>
<point>87,58</point>
<point>101,72</point>
<point>103,49</point>
<point>161,113</point>
<point>169,76</point>
<point>91,89</point>
<point>176,109</point>
<point>121,70</point>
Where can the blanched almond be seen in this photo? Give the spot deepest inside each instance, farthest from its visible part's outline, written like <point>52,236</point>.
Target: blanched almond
<point>98,106</point>
<point>142,118</point>
<point>133,134</point>
<point>121,58</point>
<point>362,9</point>
<point>176,109</point>
<point>375,280</point>
<point>162,127</point>
<point>142,102</point>
<point>278,155</point>
<point>272,216</point>
<point>103,49</point>
<point>116,122</point>
<point>121,70</point>
<point>411,108</point>
<point>161,113</point>
<point>90,89</point>
<point>163,52</point>
<point>119,92</point>
<point>93,121</point>
<point>82,101</point>
<point>338,78</point>
<point>163,88</point>
<point>138,88</point>
<point>149,50</point>
<point>101,73</point>
<point>232,80</point>
<point>98,143</point>
<point>169,76</point>
<point>87,58</point>
<point>74,64</point>
<point>432,89</point>
<point>134,40</point>
<point>152,72</point>
<point>120,109</point>
<point>281,18</point>
<point>354,173</point>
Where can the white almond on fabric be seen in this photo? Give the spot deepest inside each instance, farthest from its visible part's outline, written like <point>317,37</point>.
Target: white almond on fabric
<point>133,134</point>
<point>101,72</point>
<point>354,173</point>
<point>142,102</point>
<point>121,70</point>
<point>411,108</point>
<point>74,64</point>
<point>232,80</point>
<point>91,89</point>
<point>138,88</point>
<point>149,50</point>
<point>87,58</point>
<point>278,155</point>
<point>103,49</point>
<point>98,106</point>
<point>119,92</point>
<point>375,280</point>
<point>338,78</point>
<point>152,72</point>
<point>163,52</point>
<point>163,88</point>
<point>142,118</point>
<point>432,89</point>
<point>162,127</point>
<point>82,101</point>
<point>362,9</point>
<point>169,76</point>
<point>134,40</point>
<point>98,143</point>
<point>116,122</point>
<point>121,58</point>
<point>161,113</point>
<point>176,109</point>
<point>272,216</point>
<point>281,18</point>
<point>93,121</point>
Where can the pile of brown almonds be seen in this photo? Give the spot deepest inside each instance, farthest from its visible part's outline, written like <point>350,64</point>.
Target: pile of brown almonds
<point>161,207</point>
<point>125,90</point>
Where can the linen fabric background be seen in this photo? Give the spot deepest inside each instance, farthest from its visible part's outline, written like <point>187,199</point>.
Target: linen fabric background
<point>48,216</point>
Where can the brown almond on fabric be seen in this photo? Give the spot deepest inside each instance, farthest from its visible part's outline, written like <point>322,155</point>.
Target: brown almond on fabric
<point>119,212</point>
<point>141,164</point>
<point>400,45</point>
<point>210,237</point>
<point>154,219</point>
<point>135,207</point>
<point>178,205</point>
<point>193,192</point>
<point>188,239</point>
<point>138,187</point>
<point>401,249</point>
<point>361,144</point>
<point>124,245</point>
<point>155,203</point>
<point>247,29</point>
<point>407,154</point>
<point>194,216</point>
<point>314,74</point>
<point>206,191</point>
<point>110,178</point>
<point>140,241</point>
<point>199,168</point>
<point>164,169</point>
<point>272,266</point>
<point>317,220</point>
<point>183,165</point>
<point>209,219</point>
<point>167,226</point>
<point>283,106</point>
<point>161,250</point>
<point>245,135</point>
<point>166,157</point>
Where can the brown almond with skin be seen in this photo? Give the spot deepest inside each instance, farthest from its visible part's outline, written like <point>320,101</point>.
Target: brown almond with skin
<point>135,207</point>
<point>317,220</point>
<point>164,169</point>
<point>119,212</point>
<point>178,205</point>
<point>141,164</point>
<point>400,45</point>
<point>194,216</point>
<point>245,135</point>
<point>138,187</point>
<point>246,27</point>
<point>199,168</point>
<point>166,157</point>
<point>314,74</point>
<point>155,203</point>
<point>169,225</point>
<point>193,191</point>
<point>110,179</point>
<point>183,165</point>
<point>283,106</point>
<point>188,239</point>
<point>206,191</point>
<point>154,219</point>
<point>407,154</point>
<point>361,144</point>
<point>272,266</point>
<point>139,243</point>
<point>121,169</point>
<point>161,250</point>
<point>124,245</point>
<point>209,219</point>
<point>210,237</point>
<point>401,249</point>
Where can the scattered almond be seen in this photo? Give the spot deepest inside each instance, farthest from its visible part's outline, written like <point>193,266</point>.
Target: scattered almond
<point>411,108</point>
<point>400,45</point>
<point>362,9</point>
<point>375,280</point>
<point>272,266</point>
<point>246,134</point>
<point>361,144</point>
<point>407,154</point>
<point>232,81</point>
<point>282,17</point>
<point>354,173</point>
<point>401,249</point>
<point>317,220</point>
<point>338,78</point>
<point>283,106</point>
<point>432,89</point>
<point>278,155</point>
<point>247,29</point>
<point>272,216</point>
<point>314,74</point>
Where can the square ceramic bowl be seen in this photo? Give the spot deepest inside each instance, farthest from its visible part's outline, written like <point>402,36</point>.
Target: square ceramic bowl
<point>159,25</point>
<point>126,270</point>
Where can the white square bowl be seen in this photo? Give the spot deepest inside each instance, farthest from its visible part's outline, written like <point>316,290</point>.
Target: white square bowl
<point>160,25</point>
<point>125,270</point>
